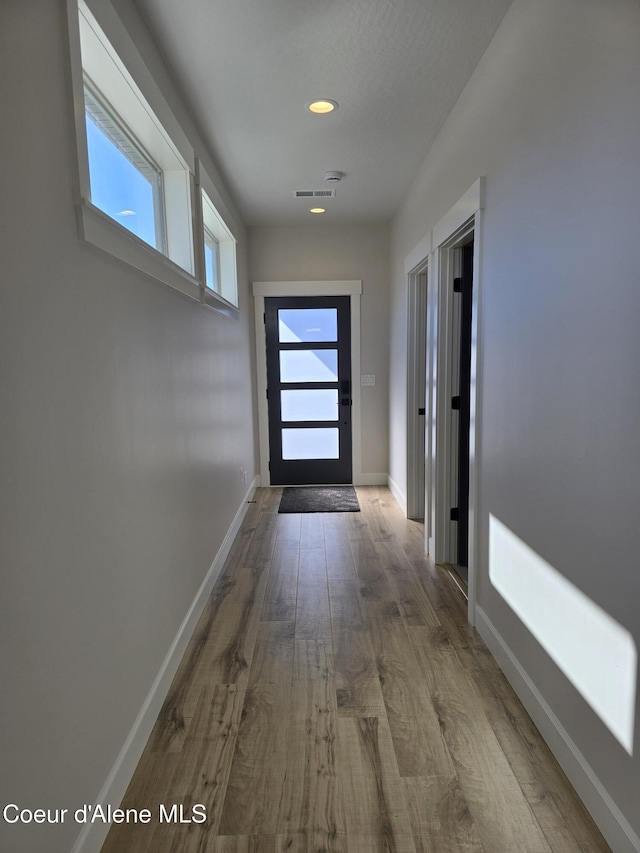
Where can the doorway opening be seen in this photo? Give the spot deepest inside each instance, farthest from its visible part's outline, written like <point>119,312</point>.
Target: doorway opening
<point>453,251</point>
<point>460,397</point>
<point>418,414</point>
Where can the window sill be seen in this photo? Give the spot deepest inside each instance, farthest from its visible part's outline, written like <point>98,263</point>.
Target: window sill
<point>218,303</point>
<point>100,230</point>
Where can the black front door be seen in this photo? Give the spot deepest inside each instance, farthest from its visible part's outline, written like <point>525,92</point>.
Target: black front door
<point>309,389</point>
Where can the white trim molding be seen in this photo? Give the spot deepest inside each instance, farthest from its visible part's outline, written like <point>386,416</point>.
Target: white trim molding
<point>463,210</point>
<point>307,288</point>
<point>465,219</point>
<point>262,289</point>
<point>419,254</point>
<point>104,233</point>
<point>617,831</point>
<point>398,494</point>
<point>93,835</point>
<point>435,253</point>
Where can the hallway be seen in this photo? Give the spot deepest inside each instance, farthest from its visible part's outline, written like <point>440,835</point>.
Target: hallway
<point>334,698</point>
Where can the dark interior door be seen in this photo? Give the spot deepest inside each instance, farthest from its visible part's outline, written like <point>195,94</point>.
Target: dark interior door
<point>464,285</point>
<point>309,389</point>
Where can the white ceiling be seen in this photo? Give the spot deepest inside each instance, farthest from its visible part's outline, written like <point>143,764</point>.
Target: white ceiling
<point>396,67</point>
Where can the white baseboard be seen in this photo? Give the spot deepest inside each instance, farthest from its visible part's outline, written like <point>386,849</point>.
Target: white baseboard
<point>398,494</point>
<point>616,829</point>
<point>92,836</point>
<point>370,480</point>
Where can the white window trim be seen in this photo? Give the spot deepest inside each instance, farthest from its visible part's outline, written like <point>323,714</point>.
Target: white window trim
<point>109,124</point>
<point>227,269</point>
<point>98,228</point>
<point>219,223</point>
<point>211,242</point>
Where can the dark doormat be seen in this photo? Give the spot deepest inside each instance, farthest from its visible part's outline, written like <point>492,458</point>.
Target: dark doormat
<point>319,499</point>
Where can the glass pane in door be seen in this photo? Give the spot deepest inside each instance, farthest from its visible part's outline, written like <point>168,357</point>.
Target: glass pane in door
<point>296,325</point>
<point>309,405</point>
<point>309,365</point>
<point>310,443</point>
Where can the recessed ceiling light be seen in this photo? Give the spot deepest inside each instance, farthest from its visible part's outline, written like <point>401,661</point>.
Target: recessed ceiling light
<point>322,106</point>
<point>317,210</point>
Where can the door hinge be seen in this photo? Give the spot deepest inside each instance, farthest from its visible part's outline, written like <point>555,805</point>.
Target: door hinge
<point>455,402</point>
<point>264,318</point>
<point>267,393</point>
<point>454,514</point>
<point>421,411</point>
<point>461,284</point>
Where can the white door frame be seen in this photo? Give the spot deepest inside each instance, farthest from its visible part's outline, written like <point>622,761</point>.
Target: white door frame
<point>446,470</point>
<point>416,264</point>
<point>438,249</point>
<point>307,288</point>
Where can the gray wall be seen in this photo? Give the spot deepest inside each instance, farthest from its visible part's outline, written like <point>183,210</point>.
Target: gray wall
<point>551,118</point>
<point>126,417</point>
<point>331,252</point>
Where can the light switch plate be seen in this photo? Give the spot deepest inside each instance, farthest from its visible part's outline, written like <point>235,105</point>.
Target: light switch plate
<point>367,379</point>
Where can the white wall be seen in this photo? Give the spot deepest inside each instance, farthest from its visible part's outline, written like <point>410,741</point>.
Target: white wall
<point>551,118</point>
<point>126,417</point>
<point>326,253</point>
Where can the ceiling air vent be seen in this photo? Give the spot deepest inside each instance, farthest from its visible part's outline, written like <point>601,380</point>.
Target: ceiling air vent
<point>314,193</point>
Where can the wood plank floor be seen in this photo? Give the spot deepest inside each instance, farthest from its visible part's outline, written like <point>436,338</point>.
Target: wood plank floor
<point>334,699</point>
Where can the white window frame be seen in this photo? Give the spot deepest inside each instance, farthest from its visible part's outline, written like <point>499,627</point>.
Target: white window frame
<point>121,138</point>
<point>212,222</point>
<point>120,75</point>
<point>210,242</point>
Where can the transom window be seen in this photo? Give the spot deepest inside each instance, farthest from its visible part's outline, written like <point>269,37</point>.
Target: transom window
<point>211,261</point>
<point>140,179</point>
<point>125,182</point>
<point>219,252</point>
<point>140,167</point>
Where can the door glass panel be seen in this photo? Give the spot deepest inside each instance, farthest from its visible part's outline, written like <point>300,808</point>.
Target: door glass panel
<point>310,443</point>
<point>307,405</point>
<point>296,325</point>
<point>309,365</point>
